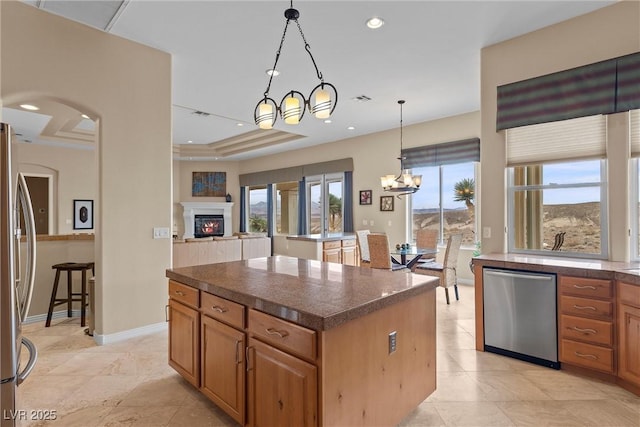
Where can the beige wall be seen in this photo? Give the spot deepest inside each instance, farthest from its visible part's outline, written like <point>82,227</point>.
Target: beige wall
<point>72,173</point>
<point>127,88</point>
<point>603,34</point>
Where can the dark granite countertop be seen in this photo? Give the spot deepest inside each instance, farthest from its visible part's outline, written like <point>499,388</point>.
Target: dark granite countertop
<point>314,294</point>
<point>582,267</point>
<point>322,238</point>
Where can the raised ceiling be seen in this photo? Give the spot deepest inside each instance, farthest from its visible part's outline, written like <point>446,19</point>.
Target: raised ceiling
<point>427,52</point>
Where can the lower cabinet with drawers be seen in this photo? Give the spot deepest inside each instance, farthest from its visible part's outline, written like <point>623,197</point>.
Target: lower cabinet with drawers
<point>629,333</point>
<point>586,323</point>
<point>265,371</point>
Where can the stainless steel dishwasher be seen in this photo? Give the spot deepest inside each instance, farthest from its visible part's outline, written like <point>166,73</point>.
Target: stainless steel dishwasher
<point>520,317</point>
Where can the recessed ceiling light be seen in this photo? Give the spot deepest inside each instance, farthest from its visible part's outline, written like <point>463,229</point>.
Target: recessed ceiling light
<point>29,107</point>
<point>189,142</point>
<point>375,22</point>
<point>272,72</point>
<point>328,121</point>
<point>239,124</point>
<point>84,116</point>
<point>350,128</point>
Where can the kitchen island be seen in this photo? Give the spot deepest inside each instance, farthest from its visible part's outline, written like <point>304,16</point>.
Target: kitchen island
<point>288,341</point>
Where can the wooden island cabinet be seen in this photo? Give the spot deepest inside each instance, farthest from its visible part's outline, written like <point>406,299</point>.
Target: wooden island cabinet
<point>629,333</point>
<point>288,341</point>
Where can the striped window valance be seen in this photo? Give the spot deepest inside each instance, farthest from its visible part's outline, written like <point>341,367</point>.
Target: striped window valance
<point>467,150</point>
<point>606,87</point>
<point>573,139</point>
<point>634,119</point>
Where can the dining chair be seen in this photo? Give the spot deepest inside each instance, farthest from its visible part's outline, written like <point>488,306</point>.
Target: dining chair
<point>446,271</point>
<point>427,238</point>
<point>380,253</point>
<point>363,247</point>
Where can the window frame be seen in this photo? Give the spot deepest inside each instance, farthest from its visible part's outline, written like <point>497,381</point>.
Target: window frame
<point>476,220</point>
<point>604,219</point>
<point>323,180</point>
<point>634,211</point>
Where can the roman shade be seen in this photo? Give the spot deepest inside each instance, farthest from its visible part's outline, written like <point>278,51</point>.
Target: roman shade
<point>466,150</point>
<point>573,139</point>
<point>606,87</point>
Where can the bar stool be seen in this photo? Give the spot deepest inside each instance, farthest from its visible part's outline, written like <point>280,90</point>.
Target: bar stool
<point>69,268</point>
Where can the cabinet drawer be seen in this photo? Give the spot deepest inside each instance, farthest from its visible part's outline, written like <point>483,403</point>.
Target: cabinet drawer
<point>587,355</point>
<point>629,294</point>
<point>580,328</point>
<point>219,308</point>
<point>348,243</point>
<point>282,334</point>
<point>335,244</point>
<point>597,288</point>
<point>586,307</point>
<point>183,293</point>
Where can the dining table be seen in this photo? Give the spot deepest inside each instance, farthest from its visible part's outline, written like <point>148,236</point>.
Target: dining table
<point>410,256</point>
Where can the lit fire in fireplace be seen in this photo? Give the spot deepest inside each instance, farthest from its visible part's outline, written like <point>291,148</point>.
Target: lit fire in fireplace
<point>210,227</point>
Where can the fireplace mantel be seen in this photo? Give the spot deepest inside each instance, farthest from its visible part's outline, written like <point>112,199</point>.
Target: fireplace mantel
<point>191,209</point>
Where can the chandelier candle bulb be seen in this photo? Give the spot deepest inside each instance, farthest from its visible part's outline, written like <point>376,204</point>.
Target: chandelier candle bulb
<point>291,110</point>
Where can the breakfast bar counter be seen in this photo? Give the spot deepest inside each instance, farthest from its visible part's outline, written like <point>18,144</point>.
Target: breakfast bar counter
<point>304,342</point>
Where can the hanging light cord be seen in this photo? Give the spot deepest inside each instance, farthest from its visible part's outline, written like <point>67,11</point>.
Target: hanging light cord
<point>294,12</point>
<point>401,158</point>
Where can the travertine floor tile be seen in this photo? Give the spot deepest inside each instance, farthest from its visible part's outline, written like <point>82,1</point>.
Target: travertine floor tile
<point>130,383</point>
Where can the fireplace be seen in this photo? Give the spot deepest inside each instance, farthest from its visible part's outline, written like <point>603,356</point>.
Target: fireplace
<point>208,225</point>
<point>219,210</point>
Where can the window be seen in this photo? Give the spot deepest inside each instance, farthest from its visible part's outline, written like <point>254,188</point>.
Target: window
<point>557,187</point>
<point>446,201</point>
<point>324,203</point>
<point>558,207</point>
<point>634,200</point>
<point>258,209</point>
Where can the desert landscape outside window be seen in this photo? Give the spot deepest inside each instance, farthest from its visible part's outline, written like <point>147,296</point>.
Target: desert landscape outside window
<point>258,210</point>
<point>558,207</point>
<point>446,201</point>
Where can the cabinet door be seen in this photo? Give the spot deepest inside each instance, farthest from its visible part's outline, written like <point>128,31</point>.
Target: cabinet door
<point>282,388</point>
<point>629,350</point>
<point>223,366</point>
<point>184,341</point>
<point>331,255</point>
<point>349,255</point>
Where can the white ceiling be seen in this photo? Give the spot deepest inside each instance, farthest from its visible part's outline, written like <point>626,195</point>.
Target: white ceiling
<point>428,53</point>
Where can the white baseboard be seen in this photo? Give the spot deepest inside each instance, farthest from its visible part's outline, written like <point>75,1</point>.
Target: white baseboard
<point>55,315</point>
<point>130,333</point>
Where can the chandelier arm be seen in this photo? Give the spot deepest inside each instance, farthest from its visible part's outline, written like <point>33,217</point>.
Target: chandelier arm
<point>275,63</point>
<point>308,49</point>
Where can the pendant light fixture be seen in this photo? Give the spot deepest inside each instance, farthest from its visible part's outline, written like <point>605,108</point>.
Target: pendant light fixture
<point>293,106</point>
<point>405,183</point>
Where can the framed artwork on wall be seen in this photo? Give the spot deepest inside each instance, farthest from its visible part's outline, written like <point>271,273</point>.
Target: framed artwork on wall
<point>82,214</point>
<point>386,203</point>
<point>209,184</point>
<point>365,197</point>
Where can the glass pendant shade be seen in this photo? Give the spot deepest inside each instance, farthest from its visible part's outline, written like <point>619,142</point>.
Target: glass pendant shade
<point>322,106</point>
<point>265,116</point>
<point>417,180</point>
<point>291,112</point>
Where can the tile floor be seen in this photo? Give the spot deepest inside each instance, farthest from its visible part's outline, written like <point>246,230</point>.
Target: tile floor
<point>130,384</point>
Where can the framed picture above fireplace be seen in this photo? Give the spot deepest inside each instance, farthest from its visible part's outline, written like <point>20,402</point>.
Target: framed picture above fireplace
<point>209,184</point>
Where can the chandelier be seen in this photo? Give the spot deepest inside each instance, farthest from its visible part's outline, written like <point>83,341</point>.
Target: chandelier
<point>405,183</point>
<point>293,105</point>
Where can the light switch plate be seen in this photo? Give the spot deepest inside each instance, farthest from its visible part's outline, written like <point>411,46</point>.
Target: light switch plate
<point>160,232</point>
<point>393,341</point>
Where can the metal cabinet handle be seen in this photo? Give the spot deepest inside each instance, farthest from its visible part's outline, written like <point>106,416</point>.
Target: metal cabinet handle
<point>587,331</point>
<point>584,307</point>
<point>166,313</point>
<point>219,309</point>
<point>586,356</point>
<point>281,334</point>
<point>585,287</point>
<point>180,293</point>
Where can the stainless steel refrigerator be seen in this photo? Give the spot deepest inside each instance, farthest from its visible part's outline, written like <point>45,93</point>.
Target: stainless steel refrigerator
<point>16,280</point>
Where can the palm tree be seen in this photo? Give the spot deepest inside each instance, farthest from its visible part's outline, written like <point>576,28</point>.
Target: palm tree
<point>335,210</point>
<point>464,191</point>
